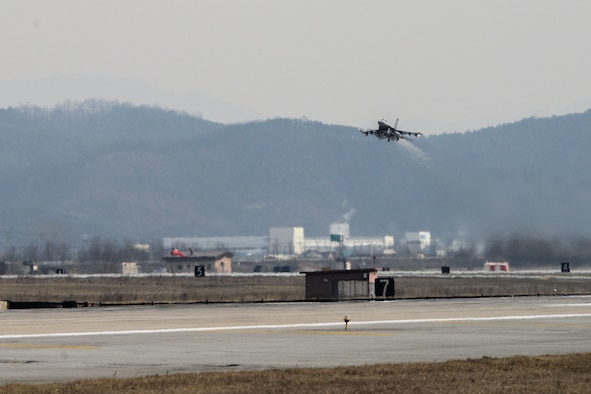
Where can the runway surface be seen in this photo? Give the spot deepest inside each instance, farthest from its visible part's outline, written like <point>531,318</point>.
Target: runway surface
<point>55,345</point>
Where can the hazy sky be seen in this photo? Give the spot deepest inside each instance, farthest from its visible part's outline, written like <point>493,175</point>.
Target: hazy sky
<point>440,66</point>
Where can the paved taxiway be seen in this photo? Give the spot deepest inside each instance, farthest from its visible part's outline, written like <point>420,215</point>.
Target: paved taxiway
<point>67,344</point>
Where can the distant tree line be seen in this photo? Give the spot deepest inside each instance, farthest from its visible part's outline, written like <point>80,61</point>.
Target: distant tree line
<point>523,250</point>
<point>95,250</point>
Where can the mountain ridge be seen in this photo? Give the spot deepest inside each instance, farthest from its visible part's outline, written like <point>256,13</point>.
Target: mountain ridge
<point>119,170</point>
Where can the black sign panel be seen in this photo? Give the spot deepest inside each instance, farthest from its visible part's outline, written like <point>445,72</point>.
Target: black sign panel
<point>384,287</point>
<point>199,271</point>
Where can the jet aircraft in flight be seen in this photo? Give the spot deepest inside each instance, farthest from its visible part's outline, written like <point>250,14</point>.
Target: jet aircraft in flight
<point>385,131</point>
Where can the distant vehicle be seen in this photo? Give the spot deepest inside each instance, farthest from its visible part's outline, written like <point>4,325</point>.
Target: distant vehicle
<point>385,131</point>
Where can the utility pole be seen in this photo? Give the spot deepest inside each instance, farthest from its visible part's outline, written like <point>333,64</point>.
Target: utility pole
<point>341,240</point>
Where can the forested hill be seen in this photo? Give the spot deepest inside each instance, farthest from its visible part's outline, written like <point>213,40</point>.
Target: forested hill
<point>117,170</point>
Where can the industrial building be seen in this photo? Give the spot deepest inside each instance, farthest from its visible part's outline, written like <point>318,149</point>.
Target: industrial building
<point>286,243</point>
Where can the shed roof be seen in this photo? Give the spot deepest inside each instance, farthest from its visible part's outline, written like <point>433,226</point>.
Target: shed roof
<point>199,256</point>
<point>340,272</point>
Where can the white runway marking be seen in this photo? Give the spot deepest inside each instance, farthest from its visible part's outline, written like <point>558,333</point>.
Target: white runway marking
<point>289,326</point>
<point>569,305</point>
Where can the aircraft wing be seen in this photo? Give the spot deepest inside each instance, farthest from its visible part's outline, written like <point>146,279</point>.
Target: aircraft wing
<point>366,131</point>
<point>413,133</point>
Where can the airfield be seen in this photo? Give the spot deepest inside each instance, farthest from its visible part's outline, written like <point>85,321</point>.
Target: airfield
<point>57,345</point>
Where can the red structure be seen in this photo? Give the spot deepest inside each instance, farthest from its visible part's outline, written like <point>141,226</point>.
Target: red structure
<point>493,266</point>
<point>176,252</point>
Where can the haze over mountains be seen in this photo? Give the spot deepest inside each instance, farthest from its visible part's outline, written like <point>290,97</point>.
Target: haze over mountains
<point>122,171</point>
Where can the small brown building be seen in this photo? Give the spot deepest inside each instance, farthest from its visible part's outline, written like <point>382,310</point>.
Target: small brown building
<point>213,261</point>
<point>339,285</point>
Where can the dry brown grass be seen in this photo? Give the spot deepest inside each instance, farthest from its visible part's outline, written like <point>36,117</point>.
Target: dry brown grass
<point>544,374</point>
<point>491,286</point>
<point>157,289</point>
<point>184,289</point>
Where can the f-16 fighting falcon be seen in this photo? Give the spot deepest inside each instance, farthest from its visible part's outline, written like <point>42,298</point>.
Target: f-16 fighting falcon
<point>385,131</point>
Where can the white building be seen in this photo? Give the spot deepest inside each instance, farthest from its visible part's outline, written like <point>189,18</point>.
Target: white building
<point>256,244</point>
<point>371,245</point>
<point>420,238</point>
<point>129,268</point>
<point>286,241</point>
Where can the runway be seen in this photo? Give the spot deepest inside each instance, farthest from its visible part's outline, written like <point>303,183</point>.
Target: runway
<point>67,344</point>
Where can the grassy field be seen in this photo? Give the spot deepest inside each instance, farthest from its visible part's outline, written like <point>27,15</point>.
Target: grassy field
<point>96,290</point>
<point>546,374</point>
<point>153,289</point>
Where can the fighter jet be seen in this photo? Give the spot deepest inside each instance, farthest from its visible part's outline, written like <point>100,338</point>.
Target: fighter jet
<point>385,131</point>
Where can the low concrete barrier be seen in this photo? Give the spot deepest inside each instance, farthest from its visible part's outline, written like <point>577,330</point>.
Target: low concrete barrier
<point>39,304</point>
